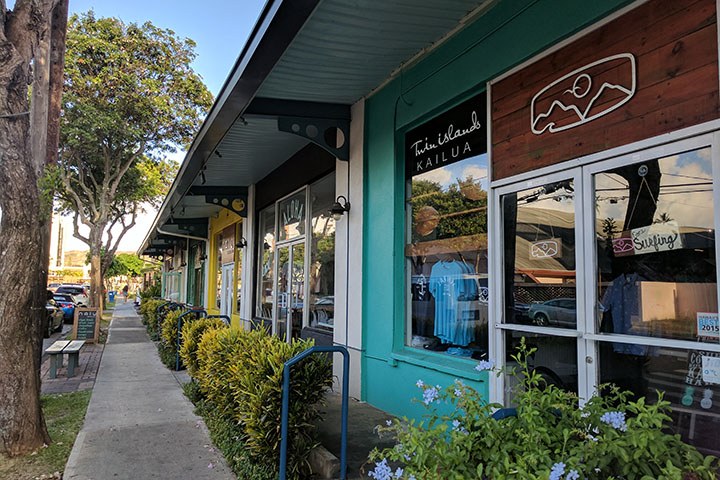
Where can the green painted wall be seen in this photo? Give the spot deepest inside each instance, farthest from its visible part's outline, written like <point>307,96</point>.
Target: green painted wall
<point>506,35</point>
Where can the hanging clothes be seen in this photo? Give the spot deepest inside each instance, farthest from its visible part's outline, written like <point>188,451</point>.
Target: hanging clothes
<point>453,286</point>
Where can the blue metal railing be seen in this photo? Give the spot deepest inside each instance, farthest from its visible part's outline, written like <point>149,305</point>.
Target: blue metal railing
<point>286,406</point>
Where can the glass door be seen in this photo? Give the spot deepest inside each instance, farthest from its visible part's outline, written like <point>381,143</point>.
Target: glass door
<point>610,272</point>
<point>652,266</point>
<point>540,239</point>
<point>226,289</point>
<point>291,290</point>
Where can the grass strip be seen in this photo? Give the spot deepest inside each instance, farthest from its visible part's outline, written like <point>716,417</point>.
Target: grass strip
<point>64,415</point>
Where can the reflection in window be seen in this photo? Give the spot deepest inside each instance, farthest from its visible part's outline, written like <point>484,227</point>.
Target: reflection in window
<point>218,271</point>
<point>322,255</point>
<point>238,267</point>
<point>656,266</point>
<point>682,376</point>
<point>554,359</point>
<point>291,213</point>
<point>266,263</point>
<point>656,250</point>
<point>539,249</point>
<point>446,254</point>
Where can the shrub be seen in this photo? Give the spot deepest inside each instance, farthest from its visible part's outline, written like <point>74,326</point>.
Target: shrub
<point>191,335</point>
<point>169,334</point>
<point>148,310</point>
<point>550,438</point>
<point>240,374</point>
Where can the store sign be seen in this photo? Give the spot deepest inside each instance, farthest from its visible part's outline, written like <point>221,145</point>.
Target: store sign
<point>550,248</point>
<point>455,135</point>
<point>658,237</point>
<point>588,93</point>
<point>708,325</point>
<point>710,369</point>
<point>651,71</point>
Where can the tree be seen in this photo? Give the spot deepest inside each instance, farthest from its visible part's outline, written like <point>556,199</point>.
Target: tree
<point>130,98</point>
<point>125,264</point>
<point>31,39</point>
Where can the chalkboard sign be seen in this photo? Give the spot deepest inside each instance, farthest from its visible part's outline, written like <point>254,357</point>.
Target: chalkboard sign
<point>87,324</point>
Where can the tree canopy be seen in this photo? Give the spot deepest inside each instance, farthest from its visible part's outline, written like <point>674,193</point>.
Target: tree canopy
<point>126,264</point>
<point>131,97</point>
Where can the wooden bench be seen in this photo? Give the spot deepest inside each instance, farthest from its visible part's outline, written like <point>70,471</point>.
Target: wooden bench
<point>56,351</point>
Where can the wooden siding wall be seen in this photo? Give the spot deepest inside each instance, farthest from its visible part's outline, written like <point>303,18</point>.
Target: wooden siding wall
<point>674,43</point>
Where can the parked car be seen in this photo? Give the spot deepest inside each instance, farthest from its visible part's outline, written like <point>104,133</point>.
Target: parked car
<point>558,312</point>
<point>79,293</point>
<point>67,303</point>
<point>53,320</point>
<point>53,286</point>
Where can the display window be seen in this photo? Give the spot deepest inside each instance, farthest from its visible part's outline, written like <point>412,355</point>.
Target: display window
<point>266,264</point>
<point>446,252</point>
<point>321,275</point>
<point>446,205</point>
<point>296,261</point>
<point>609,271</point>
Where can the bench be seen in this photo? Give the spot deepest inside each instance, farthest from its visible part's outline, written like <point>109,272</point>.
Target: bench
<point>56,351</point>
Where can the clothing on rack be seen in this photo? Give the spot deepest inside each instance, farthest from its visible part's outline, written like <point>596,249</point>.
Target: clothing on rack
<point>622,302</point>
<point>453,286</point>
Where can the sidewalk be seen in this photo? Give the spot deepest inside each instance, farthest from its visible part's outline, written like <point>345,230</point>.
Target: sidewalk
<point>139,425</point>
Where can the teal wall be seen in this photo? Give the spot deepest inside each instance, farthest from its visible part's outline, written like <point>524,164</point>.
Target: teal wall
<point>506,35</point>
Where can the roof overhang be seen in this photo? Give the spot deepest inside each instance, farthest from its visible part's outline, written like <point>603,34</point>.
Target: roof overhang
<point>305,63</point>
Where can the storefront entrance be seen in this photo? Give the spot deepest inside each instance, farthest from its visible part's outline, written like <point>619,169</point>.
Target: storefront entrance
<point>609,271</point>
<point>291,290</point>
<point>226,289</point>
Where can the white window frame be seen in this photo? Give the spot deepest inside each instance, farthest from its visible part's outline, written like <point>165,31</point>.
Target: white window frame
<point>582,170</point>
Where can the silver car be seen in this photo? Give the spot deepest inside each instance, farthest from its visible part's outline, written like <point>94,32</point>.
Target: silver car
<point>558,312</point>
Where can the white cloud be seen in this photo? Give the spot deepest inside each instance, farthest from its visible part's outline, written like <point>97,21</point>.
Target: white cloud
<point>476,171</point>
<point>443,176</point>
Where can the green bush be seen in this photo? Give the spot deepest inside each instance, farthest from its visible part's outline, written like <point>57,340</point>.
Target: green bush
<point>550,438</point>
<point>191,334</point>
<point>229,437</point>
<point>148,309</point>
<point>169,334</point>
<point>240,374</point>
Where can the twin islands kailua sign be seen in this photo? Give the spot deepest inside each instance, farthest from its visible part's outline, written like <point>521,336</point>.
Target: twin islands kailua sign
<point>455,135</point>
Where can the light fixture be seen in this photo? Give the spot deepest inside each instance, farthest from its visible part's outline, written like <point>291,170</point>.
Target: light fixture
<point>242,243</point>
<point>339,208</point>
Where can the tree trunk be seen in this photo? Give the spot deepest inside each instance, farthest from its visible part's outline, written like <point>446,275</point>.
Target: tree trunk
<point>22,427</point>
<point>96,271</point>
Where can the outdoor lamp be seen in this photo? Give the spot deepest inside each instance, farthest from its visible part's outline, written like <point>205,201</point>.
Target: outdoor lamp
<point>339,208</point>
<point>242,243</point>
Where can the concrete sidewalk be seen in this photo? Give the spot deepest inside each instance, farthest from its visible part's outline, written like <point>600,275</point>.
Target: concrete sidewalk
<point>139,425</point>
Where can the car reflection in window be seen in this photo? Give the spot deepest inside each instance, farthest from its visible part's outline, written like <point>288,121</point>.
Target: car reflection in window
<point>558,312</point>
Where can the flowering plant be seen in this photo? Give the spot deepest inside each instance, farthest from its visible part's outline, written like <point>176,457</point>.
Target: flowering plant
<point>548,436</point>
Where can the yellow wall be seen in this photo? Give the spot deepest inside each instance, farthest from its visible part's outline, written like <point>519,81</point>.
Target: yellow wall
<point>223,219</point>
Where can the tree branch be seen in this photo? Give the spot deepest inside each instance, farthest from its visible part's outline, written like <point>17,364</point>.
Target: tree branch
<point>76,231</point>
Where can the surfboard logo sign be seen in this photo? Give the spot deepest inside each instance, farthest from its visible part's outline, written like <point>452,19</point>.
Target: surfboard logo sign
<point>584,95</point>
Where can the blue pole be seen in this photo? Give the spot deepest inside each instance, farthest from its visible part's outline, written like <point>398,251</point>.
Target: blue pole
<point>284,418</point>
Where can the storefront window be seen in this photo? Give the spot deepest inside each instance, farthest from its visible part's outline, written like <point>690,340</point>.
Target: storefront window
<point>446,254</point>
<point>656,266</point>
<point>218,271</point>
<point>687,379</point>
<point>238,267</point>
<point>539,241</point>
<point>292,217</point>
<point>172,286</point>
<point>266,264</point>
<point>553,358</point>
<point>322,255</point>
<point>656,250</point>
